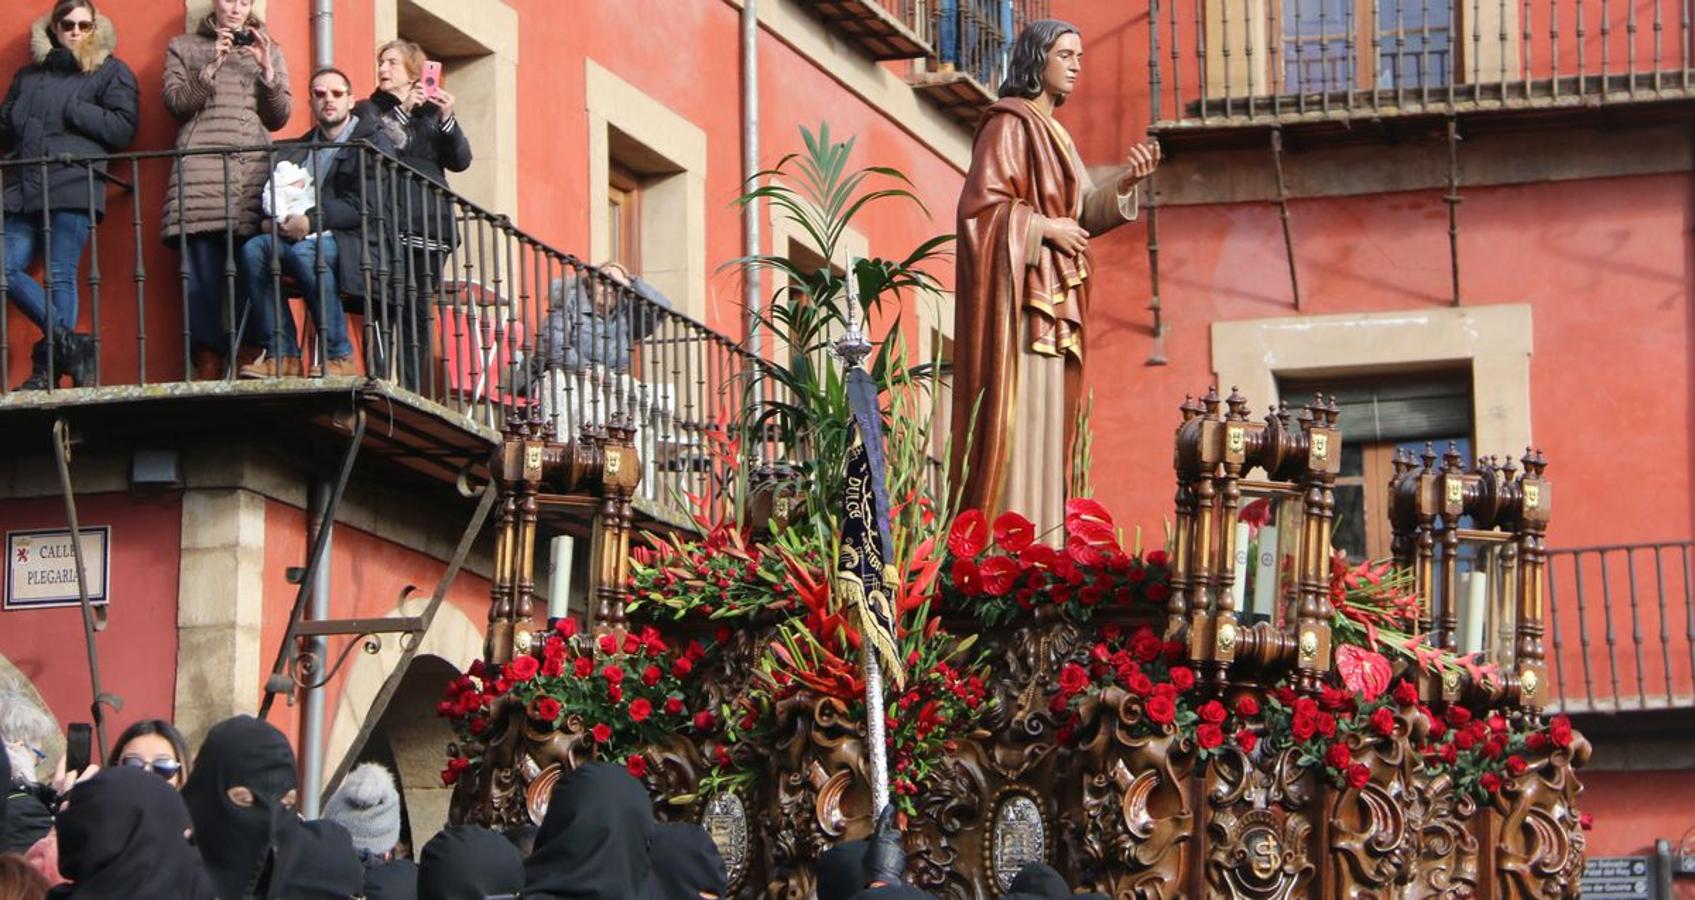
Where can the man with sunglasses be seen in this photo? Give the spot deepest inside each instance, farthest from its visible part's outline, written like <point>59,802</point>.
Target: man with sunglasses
<point>318,250</point>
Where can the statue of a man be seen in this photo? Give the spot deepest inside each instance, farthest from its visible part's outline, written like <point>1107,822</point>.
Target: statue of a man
<point>1026,215</point>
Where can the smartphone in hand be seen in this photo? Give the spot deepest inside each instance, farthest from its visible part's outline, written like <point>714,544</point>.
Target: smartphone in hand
<point>79,746</point>
<point>430,79</point>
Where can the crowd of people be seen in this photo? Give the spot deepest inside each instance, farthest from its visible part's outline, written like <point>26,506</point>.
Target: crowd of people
<point>226,84</point>
<point>224,822</point>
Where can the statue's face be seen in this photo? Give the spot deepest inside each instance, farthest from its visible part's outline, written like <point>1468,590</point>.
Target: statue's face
<point>1065,63</point>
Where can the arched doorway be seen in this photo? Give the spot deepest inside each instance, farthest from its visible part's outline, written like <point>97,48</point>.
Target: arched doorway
<point>411,740</point>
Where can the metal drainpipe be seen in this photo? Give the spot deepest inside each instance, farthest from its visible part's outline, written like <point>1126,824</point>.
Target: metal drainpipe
<point>751,290</point>
<point>312,711</point>
<point>323,34</point>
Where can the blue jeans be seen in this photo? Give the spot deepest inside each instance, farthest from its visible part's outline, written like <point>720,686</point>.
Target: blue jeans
<point>298,261</point>
<point>203,256</point>
<point>24,234</point>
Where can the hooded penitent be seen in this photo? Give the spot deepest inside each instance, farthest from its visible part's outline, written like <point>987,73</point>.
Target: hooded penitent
<point>316,861</point>
<point>686,863</point>
<point>469,861</point>
<point>892,892</point>
<point>1038,879</point>
<point>123,835</point>
<point>841,871</point>
<point>239,842</point>
<point>593,841</point>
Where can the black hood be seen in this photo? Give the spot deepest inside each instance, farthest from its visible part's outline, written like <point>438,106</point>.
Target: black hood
<point>841,871</point>
<point>685,863</point>
<point>123,835</point>
<point>1041,880</point>
<point>468,862</point>
<point>316,861</point>
<point>593,841</point>
<point>235,841</point>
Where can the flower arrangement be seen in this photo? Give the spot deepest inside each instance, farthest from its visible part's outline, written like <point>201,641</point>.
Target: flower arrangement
<point>625,694</point>
<point>999,571</point>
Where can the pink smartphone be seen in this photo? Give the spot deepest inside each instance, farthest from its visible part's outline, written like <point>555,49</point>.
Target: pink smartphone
<point>430,78</point>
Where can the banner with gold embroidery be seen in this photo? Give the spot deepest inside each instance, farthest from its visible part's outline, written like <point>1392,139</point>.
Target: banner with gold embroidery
<point>866,582</point>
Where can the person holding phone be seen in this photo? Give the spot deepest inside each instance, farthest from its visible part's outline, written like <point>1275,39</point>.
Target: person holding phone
<point>416,113</point>
<point>227,86</point>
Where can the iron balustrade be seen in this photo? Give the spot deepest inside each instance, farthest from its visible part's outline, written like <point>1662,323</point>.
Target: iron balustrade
<point>452,303</point>
<point>1622,627</point>
<point>1223,63</point>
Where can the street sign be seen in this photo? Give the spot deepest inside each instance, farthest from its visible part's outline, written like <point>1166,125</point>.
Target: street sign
<point>41,567</point>
<point>1620,878</point>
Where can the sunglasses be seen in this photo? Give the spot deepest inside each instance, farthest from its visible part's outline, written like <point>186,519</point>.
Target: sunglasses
<point>323,94</point>
<point>72,25</point>
<point>164,767</point>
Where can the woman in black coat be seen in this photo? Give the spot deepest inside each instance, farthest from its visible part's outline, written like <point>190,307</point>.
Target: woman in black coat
<point>419,121</point>
<point>75,98</point>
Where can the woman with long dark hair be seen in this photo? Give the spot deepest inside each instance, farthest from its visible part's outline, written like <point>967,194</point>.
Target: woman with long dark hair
<point>74,98</point>
<point>152,745</point>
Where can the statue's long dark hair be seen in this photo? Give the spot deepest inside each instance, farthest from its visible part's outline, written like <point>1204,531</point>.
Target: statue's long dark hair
<point>1030,56</point>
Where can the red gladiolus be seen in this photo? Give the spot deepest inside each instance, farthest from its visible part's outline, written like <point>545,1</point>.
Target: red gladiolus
<point>1013,532</point>
<point>969,535</point>
<point>1490,782</point>
<point>651,675</point>
<point>673,706</point>
<point>1213,712</point>
<point>1338,757</point>
<point>608,644</point>
<point>583,667</point>
<point>682,666</point>
<point>601,733</point>
<point>1516,765</point>
<point>1072,679</point>
<point>523,668</point>
<point>640,709</point>
<point>1182,678</point>
<point>997,575</point>
<point>566,626</point>
<point>1161,710</point>
<point>1247,740</point>
<point>1358,776</point>
<point>1406,693</point>
<point>637,764</point>
<point>1247,707</point>
<point>545,708</point>
<point>1383,721</point>
<point>1209,736</point>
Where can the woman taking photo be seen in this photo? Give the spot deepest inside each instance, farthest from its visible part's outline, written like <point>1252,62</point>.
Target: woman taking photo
<point>74,98</point>
<point>153,745</point>
<point>226,84</point>
<point>418,119</point>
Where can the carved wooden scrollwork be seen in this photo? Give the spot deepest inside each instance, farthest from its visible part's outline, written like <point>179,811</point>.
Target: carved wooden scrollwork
<point>1540,844</point>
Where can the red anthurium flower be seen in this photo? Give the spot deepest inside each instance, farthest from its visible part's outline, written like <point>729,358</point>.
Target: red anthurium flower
<point>997,575</point>
<point>1013,532</point>
<point>966,577</point>
<point>969,535</point>
<point>1079,510</point>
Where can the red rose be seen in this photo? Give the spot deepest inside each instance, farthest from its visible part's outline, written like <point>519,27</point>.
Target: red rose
<point>1458,715</point>
<point>1209,736</point>
<point>608,644</point>
<point>640,709</point>
<point>1437,729</point>
<point>566,626</point>
<point>721,756</point>
<point>637,764</point>
<point>1145,646</point>
<point>615,692</point>
<point>673,706</point>
<point>682,666</point>
<point>1247,707</point>
<point>1182,678</point>
<point>583,667</point>
<point>1338,757</point>
<point>1100,653</point>
<point>1158,593</point>
<point>1586,822</point>
<point>998,574</point>
<point>1559,731</point>
<point>1494,749</point>
<point>1161,710</point>
<point>554,667</point>
<point>652,674</point>
<point>631,644</point>
<point>1284,695</point>
<point>1140,684</point>
<point>1167,690</point>
<point>1327,724</point>
<point>1246,739</point>
<point>1013,532</point>
<point>1406,693</point>
<point>966,577</point>
<point>1450,754</point>
<point>1156,557</point>
<point>1335,699</point>
<point>1175,651</point>
<point>1306,706</point>
<point>523,668</point>
<point>545,708</point>
<point>1213,712</point>
<point>704,720</point>
<point>1073,678</point>
<point>613,673</point>
<point>449,777</point>
<point>1303,727</point>
<point>1463,740</point>
<point>1358,776</point>
<point>1383,721</point>
<point>1536,742</point>
<point>1497,723</point>
<point>722,634</point>
<point>1490,782</point>
<point>479,725</point>
<point>601,733</point>
<point>1058,703</point>
<point>1516,765</point>
<point>969,535</point>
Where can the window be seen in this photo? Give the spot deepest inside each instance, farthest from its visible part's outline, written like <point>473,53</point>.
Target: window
<point>1381,416</point>
<point>1328,45</point>
<point>623,219</point>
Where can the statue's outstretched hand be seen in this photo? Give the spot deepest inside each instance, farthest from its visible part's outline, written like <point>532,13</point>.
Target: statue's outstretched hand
<point>1144,159</point>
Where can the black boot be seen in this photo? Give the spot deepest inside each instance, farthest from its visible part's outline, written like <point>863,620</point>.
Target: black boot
<point>75,352</point>
<point>39,378</point>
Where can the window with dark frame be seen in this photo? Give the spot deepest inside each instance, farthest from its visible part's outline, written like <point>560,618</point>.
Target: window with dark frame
<point>1327,45</point>
<point>623,219</point>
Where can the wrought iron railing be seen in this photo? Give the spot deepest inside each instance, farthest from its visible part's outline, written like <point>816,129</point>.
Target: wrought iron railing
<point>1622,627</point>
<point>968,36</point>
<point>1234,62</point>
<point>451,302</point>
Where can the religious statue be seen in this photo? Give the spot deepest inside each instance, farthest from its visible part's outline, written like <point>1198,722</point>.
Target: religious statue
<point>1026,215</point>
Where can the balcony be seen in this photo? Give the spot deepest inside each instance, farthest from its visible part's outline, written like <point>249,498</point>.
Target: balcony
<point>971,40</point>
<point>460,322</point>
<point>884,29</point>
<point>1331,65</point>
<point>1623,627</point>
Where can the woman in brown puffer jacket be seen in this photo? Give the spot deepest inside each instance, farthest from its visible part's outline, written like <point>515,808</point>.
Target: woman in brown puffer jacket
<point>227,85</point>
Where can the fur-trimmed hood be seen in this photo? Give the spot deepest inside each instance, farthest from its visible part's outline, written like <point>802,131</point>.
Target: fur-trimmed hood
<point>91,54</point>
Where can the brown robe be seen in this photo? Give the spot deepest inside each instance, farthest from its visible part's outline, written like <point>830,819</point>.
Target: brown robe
<point>1019,310</point>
